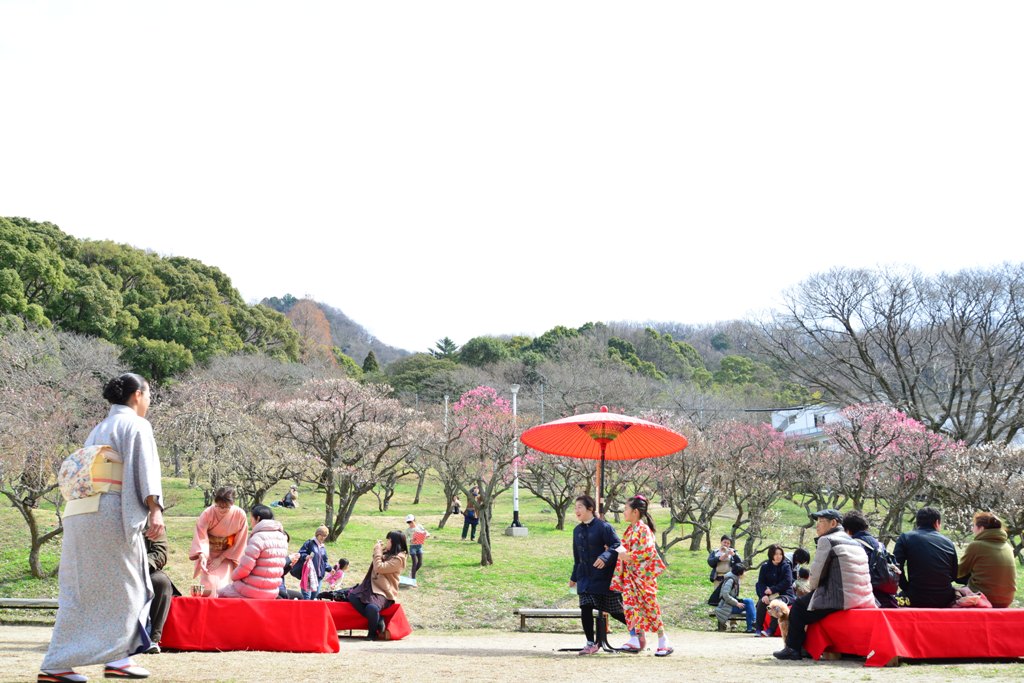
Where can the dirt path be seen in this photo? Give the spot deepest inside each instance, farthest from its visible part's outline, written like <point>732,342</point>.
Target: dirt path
<point>493,656</point>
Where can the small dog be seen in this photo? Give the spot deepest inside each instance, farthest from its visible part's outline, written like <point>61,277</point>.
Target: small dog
<point>780,611</point>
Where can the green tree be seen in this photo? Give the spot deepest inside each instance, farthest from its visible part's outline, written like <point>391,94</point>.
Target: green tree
<point>157,359</point>
<point>370,363</point>
<point>480,351</point>
<point>445,348</point>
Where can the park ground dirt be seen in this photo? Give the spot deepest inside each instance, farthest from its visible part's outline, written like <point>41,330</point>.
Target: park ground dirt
<point>502,656</point>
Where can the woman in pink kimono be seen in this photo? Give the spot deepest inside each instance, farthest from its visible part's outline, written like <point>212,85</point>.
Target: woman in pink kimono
<point>219,541</point>
<point>637,579</point>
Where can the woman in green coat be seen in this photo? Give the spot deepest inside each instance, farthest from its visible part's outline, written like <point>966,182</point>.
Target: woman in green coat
<point>987,565</point>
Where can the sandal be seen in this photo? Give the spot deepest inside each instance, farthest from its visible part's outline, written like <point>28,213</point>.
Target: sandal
<point>664,651</point>
<point>62,677</point>
<point>130,671</point>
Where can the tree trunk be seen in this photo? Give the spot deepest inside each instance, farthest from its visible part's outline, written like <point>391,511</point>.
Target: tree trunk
<point>449,494</point>
<point>484,536</point>
<point>696,538</point>
<point>560,519</point>
<point>419,490</point>
<point>328,481</point>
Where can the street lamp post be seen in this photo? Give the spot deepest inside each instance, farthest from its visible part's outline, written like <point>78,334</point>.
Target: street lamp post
<point>516,528</point>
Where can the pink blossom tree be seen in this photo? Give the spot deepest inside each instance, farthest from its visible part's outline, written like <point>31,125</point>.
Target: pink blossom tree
<point>485,451</point>
<point>757,463</point>
<point>883,457</point>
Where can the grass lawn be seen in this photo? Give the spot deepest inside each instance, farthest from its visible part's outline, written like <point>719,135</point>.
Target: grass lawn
<point>454,590</point>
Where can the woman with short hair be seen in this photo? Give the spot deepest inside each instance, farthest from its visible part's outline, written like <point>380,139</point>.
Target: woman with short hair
<point>987,565</point>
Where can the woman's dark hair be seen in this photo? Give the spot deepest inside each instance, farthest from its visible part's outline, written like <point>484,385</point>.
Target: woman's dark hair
<point>120,389</point>
<point>771,552</point>
<point>854,522</point>
<point>262,512</point>
<point>398,544</point>
<point>801,556</point>
<point>587,501</point>
<point>639,503</point>
<point>225,494</point>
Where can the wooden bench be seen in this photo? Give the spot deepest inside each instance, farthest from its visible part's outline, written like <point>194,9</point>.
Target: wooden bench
<point>28,603</point>
<point>733,620</point>
<point>544,613</point>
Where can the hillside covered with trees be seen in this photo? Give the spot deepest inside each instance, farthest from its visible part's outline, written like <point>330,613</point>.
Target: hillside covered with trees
<point>166,314</point>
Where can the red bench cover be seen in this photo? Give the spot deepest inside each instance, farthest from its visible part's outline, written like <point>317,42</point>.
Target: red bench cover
<point>237,624</point>
<point>346,618</point>
<point>913,633</point>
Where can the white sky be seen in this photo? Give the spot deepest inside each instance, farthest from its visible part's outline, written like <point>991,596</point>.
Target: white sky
<point>466,168</point>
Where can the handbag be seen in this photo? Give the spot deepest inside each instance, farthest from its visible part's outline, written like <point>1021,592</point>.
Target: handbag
<point>716,595</point>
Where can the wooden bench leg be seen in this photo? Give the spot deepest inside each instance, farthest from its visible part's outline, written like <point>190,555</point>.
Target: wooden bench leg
<point>522,623</point>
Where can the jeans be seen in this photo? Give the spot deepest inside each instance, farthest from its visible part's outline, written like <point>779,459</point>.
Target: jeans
<point>466,524</point>
<point>310,595</point>
<point>416,555</point>
<point>748,609</point>
<point>374,622</point>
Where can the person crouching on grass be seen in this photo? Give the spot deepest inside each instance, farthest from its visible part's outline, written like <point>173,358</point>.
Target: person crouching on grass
<point>593,550</point>
<point>639,567</point>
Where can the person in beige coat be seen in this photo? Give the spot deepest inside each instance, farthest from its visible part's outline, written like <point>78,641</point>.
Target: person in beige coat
<point>840,579</point>
<point>379,588</point>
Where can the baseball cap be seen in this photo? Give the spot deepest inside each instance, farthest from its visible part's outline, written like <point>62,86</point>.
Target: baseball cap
<point>830,513</point>
<point>410,518</point>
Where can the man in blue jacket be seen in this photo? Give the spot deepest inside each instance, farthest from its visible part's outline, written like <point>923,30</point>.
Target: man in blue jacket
<point>593,552</point>
<point>928,562</point>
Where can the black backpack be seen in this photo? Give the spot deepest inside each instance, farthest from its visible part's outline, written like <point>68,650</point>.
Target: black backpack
<point>885,575</point>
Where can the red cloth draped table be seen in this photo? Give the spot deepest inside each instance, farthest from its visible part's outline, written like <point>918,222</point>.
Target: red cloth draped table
<point>881,634</point>
<point>213,624</point>
<point>346,618</point>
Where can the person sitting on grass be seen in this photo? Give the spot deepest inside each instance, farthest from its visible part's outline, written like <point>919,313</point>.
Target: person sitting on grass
<point>731,603</point>
<point>290,500</point>
<point>840,579</point>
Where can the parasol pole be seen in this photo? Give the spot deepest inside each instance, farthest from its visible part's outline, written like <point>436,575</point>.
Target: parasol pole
<point>600,478</point>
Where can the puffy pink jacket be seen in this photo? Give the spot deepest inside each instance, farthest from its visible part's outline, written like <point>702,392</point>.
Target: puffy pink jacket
<point>258,574</point>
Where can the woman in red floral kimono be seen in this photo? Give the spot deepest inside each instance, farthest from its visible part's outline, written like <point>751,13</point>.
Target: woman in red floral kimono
<point>637,579</point>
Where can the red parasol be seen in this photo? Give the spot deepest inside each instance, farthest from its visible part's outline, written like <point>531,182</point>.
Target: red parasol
<point>604,436</point>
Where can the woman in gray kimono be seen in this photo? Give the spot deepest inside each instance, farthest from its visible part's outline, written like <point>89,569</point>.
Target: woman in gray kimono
<point>104,583</point>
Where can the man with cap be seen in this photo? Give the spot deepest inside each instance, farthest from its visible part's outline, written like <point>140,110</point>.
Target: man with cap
<point>840,579</point>
<point>415,535</point>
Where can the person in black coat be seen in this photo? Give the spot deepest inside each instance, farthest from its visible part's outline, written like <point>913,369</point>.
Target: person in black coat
<point>774,582</point>
<point>163,589</point>
<point>928,562</point>
<point>594,544</point>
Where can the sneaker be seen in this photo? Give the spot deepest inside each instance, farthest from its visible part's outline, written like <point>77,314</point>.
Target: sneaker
<point>153,649</point>
<point>788,653</point>
<point>721,626</point>
<point>590,649</point>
